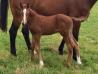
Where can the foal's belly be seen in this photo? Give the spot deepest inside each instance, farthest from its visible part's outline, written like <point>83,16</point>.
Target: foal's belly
<point>49,32</point>
<point>45,31</point>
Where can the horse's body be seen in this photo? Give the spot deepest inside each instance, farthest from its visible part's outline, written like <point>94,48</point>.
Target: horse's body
<point>46,25</point>
<point>76,8</point>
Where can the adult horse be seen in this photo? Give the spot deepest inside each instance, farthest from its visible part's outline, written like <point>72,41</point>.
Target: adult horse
<point>76,8</point>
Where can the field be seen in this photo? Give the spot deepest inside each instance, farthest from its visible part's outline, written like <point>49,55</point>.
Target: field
<point>54,63</point>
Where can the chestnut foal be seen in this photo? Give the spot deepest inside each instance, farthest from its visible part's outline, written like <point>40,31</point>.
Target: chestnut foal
<point>47,25</point>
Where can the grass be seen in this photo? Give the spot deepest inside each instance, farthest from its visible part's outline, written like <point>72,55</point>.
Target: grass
<point>54,63</point>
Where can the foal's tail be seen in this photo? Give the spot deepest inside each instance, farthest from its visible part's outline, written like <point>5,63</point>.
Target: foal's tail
<point>3,15</point>
<point>73,41</point>
<point>81,19</point>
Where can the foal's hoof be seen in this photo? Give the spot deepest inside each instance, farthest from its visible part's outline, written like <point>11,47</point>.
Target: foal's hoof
<point>41,64</point>
<point>79,62</point>
<point>68,65</point>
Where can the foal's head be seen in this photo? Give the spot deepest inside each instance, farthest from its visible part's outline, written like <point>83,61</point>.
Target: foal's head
<point>26,12</point>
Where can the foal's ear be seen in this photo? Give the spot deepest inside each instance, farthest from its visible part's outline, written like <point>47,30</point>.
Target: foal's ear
<point>21,5</point>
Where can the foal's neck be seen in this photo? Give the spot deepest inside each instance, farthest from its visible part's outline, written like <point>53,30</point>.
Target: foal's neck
<point>32,16</point>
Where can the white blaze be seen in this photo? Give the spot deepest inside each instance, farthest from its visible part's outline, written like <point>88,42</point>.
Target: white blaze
<point>24,16</point>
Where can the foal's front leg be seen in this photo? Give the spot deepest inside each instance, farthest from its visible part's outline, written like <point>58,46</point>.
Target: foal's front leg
<point>37,49</point>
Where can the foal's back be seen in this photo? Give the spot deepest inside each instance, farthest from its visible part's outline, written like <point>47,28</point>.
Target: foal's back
<point>43,24</point>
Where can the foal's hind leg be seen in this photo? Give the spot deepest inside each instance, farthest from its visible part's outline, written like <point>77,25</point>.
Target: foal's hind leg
<point>70,51</point>
<point>76,28</point>
<point>13,33</point>
<point>25,32</point>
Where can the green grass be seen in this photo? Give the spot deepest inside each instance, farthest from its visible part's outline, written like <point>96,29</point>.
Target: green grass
<point>54,63</point>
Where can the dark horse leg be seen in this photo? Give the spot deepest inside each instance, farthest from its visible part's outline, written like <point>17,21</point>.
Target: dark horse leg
<point>61,47</point>
<point>3,14</point>
<point>13,33</point>
<point>76,28</point>
<point>25,32</point>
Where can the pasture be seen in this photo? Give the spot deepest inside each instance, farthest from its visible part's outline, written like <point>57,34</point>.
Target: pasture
<point>54,63</point>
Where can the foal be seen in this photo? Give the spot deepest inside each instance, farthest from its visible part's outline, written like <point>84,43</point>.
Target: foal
<point>47,25</point>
